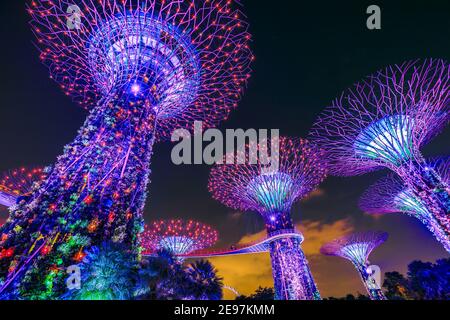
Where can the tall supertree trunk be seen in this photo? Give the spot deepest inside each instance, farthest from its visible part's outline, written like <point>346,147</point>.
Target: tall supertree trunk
<point>95,192</point>
<point>292,277</point>
<point>291,274</point>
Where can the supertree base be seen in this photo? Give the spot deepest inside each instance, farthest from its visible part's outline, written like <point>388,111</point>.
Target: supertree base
<point>291,274</point>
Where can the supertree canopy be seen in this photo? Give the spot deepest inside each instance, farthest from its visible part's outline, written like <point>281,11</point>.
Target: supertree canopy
<point>384,121</point>
<point>186,60</point>
<point>142,68</point>
<point>357,248</point>
<point>17,183</point>
<point>178,236</point>
<point>391,195</point>
<point>247,185</point>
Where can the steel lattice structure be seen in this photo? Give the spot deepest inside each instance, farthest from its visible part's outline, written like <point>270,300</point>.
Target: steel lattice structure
<point>142,68</point>
<point>384,120</point>
<point>178,236</point>
<point>391,195</point>
<point>357,247</point>
<point>18,182</point>
<point>246,185</point>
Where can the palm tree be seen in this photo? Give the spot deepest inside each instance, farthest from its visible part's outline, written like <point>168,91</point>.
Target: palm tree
<point>146,283</point>
<point>162,278</point>
<point>205,284</point>
<point>108,272</point>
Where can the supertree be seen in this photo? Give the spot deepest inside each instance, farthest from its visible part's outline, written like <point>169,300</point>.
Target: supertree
<point>391,195</point>
<point>180,237</point>
<point>357,247</point>
<point>250,185</point>
<point>384,121</point>
<point>143,68</point>
<point>18,183</point>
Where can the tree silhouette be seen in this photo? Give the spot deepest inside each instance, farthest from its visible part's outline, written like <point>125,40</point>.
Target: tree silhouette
<point>424,281</point>
<point>397,286</point>
<point>260,294</point>
<point>164,277</point>
<point>205,284</point>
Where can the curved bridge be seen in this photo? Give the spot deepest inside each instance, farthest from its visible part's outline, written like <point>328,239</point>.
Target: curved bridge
<point>232,290</point>
<point>252,248</point>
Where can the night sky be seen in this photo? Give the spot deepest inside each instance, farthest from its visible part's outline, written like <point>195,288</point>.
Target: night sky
<point>306,54</point>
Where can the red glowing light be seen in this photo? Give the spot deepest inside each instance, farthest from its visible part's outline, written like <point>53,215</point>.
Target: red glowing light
<point>199,235</point>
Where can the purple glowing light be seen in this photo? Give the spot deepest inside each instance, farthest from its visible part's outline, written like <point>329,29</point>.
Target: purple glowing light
<point>192,68</point>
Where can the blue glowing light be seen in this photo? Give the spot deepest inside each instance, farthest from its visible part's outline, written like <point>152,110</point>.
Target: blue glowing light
<point>389,140</point>
<point>406,201</point>
<point>272,192</point>
<point>177,244</point>
<point>357,252</point>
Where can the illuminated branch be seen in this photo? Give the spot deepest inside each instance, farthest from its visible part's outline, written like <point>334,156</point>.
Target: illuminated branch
<point>189,59</point>
<point>247,187</point>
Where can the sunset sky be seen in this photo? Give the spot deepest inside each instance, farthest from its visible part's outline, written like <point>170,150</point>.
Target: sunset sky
<point>305,56</point>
